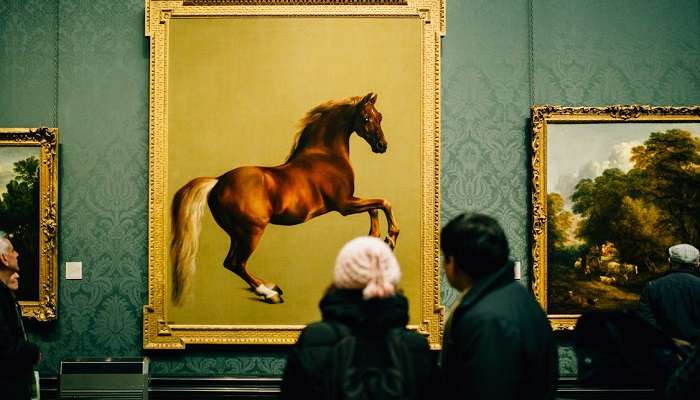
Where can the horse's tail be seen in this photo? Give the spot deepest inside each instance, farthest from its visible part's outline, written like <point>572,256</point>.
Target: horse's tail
<point>187,209</point>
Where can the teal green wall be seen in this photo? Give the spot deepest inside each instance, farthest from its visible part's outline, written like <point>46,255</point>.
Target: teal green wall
<point>94,52</point>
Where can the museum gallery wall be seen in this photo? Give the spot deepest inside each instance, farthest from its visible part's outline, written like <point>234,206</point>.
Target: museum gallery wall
<point>82,66</point>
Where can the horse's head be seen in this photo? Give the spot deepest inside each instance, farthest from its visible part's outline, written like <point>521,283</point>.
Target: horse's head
<point>368,123</point>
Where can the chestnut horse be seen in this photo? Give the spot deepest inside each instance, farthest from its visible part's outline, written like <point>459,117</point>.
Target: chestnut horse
<point>316,178</point>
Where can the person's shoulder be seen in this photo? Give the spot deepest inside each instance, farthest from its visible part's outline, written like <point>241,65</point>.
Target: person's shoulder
<point>6,298</point>
<point>501,299</point>
<point>688,275</point>
<point>413,340</point>
<point>501,310</point>
<point>487,316</point>
<point>673,277</point>
<point>515,288</point>
<point>4,289</point>
<point>320,334</point>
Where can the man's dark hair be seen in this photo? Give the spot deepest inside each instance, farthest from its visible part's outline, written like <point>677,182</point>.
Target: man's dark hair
<point>477,243</point>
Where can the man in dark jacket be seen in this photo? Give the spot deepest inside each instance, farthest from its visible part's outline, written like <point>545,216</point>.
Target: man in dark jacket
<point>497,343</point>
<point>672,302</point>
<point>17,355</point>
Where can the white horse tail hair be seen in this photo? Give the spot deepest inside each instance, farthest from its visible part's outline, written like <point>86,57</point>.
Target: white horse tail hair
<point>187,209</point>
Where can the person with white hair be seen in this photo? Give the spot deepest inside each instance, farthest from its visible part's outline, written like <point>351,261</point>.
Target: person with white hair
<point>672,302</point>
<point>362,334</point>
<point>17,354</point>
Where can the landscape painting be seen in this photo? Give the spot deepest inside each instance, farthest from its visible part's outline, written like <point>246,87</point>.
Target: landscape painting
<point>29,214</point>
<point>618,194</point>
<point>19,212</point>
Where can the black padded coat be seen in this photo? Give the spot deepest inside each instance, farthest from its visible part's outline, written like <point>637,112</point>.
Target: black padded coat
<point>17,355</point>
<point>672,304</point>
<point>306,372</point>
<point>498,344</point>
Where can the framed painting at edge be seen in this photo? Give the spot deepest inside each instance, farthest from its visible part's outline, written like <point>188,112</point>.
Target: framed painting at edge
<point>45,220</point>
<point>607,269</point>
<point>159,329</point>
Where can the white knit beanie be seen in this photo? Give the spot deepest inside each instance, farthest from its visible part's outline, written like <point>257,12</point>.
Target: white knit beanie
<point>367,263</point>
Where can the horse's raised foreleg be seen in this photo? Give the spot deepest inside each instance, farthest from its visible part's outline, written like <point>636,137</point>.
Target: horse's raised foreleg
<point>242,246</point>
<point>355,205</point>
<point>374,223</point>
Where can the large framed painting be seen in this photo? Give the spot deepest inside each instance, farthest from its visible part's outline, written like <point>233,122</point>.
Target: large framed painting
<point>28,214</point>
<point>613,188</point>
<point>280,130</point>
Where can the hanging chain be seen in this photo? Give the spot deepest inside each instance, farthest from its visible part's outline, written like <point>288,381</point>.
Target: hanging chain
<point>55,64</point>
<point>531,50</point>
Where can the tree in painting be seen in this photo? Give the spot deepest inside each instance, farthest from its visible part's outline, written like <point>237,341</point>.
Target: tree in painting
<point>669,165</point>
<point>622,224</point>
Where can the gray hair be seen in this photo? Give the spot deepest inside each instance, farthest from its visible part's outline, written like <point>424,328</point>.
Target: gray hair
<point>4,242</point>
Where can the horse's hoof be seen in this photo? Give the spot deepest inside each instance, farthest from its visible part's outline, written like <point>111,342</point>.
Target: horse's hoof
<point>276,288</point>
<point>274,299</point>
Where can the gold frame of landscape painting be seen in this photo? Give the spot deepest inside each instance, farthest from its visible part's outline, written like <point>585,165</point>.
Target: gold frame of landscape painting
<point>604,183</point>
<point>231,84</point>
<point>29,169</point>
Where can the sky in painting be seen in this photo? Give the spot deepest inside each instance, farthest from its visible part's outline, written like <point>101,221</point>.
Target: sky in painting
<point>577,151</point>
<point>10,155</point>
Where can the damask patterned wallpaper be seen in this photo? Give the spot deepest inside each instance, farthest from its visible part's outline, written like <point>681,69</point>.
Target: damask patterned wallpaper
<point>583,52</point>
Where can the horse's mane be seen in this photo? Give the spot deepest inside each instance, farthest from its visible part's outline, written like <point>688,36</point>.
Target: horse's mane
<point>316,114</point>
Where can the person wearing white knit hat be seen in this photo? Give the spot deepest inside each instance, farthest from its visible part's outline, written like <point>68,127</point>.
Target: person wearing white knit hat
<point>367,263</point>
<point>364,303</point>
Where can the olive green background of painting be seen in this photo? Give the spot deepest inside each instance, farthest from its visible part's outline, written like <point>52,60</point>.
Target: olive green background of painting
<point>584,53</point>
<point>238,102</point>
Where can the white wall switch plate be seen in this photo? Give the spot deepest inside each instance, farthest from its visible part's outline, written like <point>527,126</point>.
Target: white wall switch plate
<point>74,270</point>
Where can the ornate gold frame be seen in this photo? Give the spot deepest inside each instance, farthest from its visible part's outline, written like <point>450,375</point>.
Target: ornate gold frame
<point>45,308</point>
<point>542,115</point>
<point>157,332</point>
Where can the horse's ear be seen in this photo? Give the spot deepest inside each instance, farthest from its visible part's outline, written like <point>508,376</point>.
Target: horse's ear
<point>366,99</point>
<point>373,99</point>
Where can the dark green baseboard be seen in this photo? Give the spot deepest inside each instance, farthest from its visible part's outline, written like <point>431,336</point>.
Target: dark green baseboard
<point>218,388</point>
